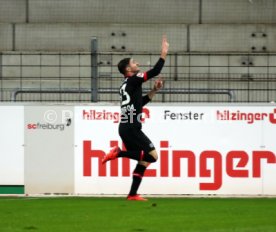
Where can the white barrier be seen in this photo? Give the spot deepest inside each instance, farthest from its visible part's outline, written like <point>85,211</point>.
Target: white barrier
<point>11,145</point>
<point>49,149</point>
<point>208,149</point>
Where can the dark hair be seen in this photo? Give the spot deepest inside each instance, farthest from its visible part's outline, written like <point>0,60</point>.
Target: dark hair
<point>122,65</point>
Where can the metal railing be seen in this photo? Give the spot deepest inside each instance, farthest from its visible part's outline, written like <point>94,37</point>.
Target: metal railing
<point>229,93</point>
<point>188,77</point>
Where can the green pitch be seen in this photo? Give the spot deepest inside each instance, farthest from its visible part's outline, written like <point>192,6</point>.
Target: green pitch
<point>85,214</point>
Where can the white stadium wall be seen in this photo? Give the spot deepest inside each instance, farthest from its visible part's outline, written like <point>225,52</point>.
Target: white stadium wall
<point>120,11</point>
<point>191,25</point>
<point>77,37</point>
<point>237,11</point>
<point>203,149</point>
<point>155,11</point>
<point>6,36</point>
<point>13,11</point>
<point>11,145</point>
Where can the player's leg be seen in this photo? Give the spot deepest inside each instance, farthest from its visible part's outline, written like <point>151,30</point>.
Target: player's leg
<point>154,155</point>
<point>136,138</point>
<point>137,177</point>
<point>149,157</point>
<point>146,145</point>
<point>140,145</point>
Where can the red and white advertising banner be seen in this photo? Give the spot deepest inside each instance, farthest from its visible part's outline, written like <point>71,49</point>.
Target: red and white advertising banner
<point>202,150</point>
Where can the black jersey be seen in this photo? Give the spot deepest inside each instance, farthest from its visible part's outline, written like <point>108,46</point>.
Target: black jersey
<point>132,100</point>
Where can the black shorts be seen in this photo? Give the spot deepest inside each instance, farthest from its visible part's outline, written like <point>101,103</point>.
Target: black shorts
<point>134,139</point>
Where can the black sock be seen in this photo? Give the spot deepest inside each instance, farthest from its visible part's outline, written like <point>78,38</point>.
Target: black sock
<point>137,155</point>
<point>137,176</point>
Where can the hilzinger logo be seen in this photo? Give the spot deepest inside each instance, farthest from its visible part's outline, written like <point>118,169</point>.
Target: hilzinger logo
<point>113,116</point>
<point>100,115</point>
<point>250,118</point>
<point>234,164</point>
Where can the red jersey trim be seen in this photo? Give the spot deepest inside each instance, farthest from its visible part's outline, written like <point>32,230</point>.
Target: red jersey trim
<point>145,76</point>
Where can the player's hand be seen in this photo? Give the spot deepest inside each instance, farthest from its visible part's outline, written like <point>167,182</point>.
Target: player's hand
<point>165,47</point>
<point>158,84</point>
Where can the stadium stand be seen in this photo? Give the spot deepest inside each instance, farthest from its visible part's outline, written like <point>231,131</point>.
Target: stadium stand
<point>214,45</point>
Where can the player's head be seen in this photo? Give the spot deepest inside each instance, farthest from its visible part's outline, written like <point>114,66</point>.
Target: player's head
<point>123,64</point>
<point>128,65</point>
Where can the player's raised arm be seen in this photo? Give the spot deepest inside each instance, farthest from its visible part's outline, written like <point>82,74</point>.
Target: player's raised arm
<point>164,47</point>
<point>160,63</point>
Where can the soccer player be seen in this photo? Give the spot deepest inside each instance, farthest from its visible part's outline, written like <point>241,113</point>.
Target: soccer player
<point>138,146</point>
